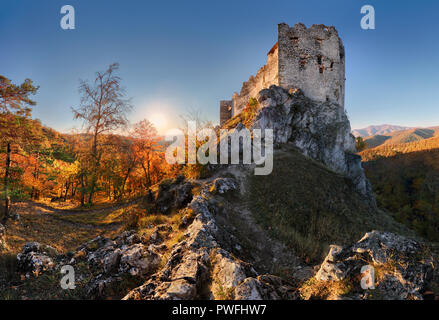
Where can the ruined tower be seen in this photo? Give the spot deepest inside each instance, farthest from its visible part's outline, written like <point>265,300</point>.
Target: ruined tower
<point>311,59</point>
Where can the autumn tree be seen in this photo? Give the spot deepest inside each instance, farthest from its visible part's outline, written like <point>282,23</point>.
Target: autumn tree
<point>147,147</point>
<point>15,127</point>
<point>195,117</point>
<point>360,144</point>
<point>103,109</point>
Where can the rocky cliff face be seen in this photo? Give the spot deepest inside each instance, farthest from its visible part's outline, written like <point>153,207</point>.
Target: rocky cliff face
<point>321,130</point>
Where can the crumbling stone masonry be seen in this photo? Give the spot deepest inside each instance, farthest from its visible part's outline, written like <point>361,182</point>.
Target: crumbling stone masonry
<point>225,110</point>
<point>311,59</point>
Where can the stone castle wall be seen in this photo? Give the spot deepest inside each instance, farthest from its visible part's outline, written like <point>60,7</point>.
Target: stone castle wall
<point>311,59</point>
<point>266,76</point>
<point>226,108</point>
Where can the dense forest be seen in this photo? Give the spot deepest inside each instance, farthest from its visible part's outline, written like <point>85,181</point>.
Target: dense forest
<point>405,179</point>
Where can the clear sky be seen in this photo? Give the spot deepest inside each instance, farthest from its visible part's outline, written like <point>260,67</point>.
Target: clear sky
<point>181,55</point>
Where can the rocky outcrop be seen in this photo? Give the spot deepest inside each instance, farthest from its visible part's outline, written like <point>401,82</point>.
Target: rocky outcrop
<point>128,253</point>
<point>198,267</point>
<point>35,258</point>
<point>401,267</point>
<point>223,185</point>
<point>173,195</point>
<point>265,287</point>
<point>320,130</point>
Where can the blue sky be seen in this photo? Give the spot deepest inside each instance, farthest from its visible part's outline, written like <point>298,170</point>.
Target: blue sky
<point>181,55</point>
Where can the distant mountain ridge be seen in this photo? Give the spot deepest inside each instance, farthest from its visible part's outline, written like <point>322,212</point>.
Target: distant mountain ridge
<point>378,130</point>
<point>401,137</point>
<point>391,150</point>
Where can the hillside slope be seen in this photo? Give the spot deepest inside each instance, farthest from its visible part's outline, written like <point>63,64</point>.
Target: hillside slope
<point>312,206</point>
<point>390,150</point>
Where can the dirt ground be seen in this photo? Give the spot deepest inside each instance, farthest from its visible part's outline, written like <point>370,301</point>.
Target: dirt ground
<point>63,229</point>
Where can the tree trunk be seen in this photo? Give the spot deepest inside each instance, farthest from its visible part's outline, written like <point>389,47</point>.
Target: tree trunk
<point>94,151</point>
<point>149,172</point>
<point>74,187</point>
<point>67,190</point>
<point>6,183</point>
<point>92,190</point>
<point>82,190</point>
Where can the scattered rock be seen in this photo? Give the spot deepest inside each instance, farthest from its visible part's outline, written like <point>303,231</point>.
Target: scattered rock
<point>164,228</point>
<point>173,195</point>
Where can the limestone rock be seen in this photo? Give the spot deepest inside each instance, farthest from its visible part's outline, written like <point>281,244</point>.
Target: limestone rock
<point>227,274</point>
<point>183,195</point>
<point>223,185</point>
<point>138,260</point>
<point>265,287</point>
<point>320,130</point>
<point>402,266</point>
<point>173,194</point>
<point>35,258</point>
<point>155,237</point>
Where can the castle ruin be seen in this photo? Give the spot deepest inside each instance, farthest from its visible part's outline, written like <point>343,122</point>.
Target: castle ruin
<point>311,59</point>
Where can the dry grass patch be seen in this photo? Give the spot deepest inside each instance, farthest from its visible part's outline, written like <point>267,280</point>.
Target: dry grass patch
<point>324,290</point>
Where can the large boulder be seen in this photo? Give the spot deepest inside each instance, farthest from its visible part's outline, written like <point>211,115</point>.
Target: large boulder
<point>402,267</point>
<point>173,195</point>
<point>138,260</point>
<point>183,195</point>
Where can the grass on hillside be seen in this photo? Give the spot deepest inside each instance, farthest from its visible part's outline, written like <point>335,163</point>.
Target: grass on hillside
<point>309,207</point>
<point>95,218</point>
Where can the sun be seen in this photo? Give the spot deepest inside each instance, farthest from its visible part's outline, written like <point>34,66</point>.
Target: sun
<point>159,121</point>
